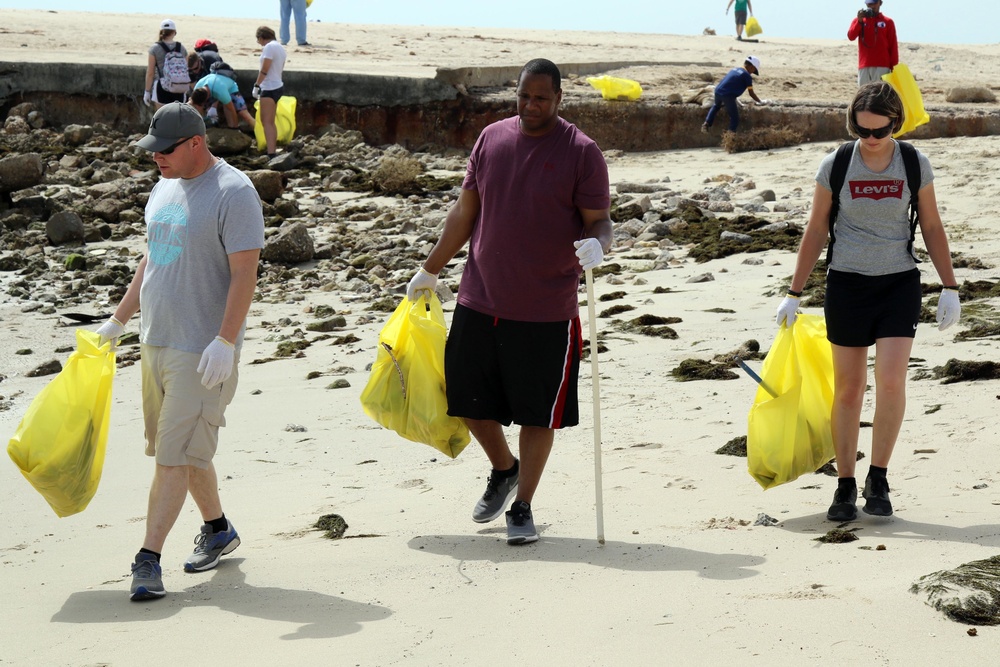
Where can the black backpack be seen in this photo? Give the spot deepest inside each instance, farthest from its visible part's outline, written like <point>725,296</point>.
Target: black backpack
<point>839,174</point>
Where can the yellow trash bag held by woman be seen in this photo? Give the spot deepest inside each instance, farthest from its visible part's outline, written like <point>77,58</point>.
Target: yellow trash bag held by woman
<point>903,83</point>
<point>59,444</point>
<point>284,121</point>
<point>753,27</point>
<point>406,391</point>
<point>788,430</point>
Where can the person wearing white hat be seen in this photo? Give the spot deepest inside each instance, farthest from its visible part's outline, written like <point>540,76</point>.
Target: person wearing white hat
<point>167,78</point>
<point>878,51</point>
<point>734,84</point>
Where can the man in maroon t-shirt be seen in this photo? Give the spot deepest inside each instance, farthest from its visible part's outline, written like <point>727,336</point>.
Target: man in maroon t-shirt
<point>534,209</point>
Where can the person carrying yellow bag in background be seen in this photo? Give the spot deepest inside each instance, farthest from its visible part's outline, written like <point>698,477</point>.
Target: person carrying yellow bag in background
<point>740,13</point>
<point>59,444</point>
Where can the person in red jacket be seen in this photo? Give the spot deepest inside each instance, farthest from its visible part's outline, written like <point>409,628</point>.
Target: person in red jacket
<point>878,51</point>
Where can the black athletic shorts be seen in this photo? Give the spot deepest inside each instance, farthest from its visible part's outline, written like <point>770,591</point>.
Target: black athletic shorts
<point>861,309</point>
<point>273,94</point>
<point>512,371</point>
<point>741,18</point>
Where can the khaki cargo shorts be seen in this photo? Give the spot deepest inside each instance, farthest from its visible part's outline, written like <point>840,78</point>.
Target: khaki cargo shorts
<point>182,417</point>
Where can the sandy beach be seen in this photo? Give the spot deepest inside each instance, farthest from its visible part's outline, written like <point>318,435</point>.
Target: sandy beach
<point>685,577</point>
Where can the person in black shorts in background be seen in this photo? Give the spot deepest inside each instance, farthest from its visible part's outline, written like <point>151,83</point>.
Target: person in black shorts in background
<point>534,209</point>
<point>873,287</point>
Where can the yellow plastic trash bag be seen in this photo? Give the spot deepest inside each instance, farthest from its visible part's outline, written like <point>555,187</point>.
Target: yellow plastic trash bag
<point>905,86</point>
<point>406,391</point>
<point>753,27</point>
<point>284,121</point>
<point>613,88</point>
<point>59,444</point>
<point>788,433</point>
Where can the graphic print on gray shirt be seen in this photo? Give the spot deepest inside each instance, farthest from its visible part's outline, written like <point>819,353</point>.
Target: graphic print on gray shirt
<point>193,225</point>
<point>872,229</point>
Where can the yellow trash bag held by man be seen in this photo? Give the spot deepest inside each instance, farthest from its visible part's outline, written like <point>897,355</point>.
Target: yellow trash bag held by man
<point>788,430</point>
<point>59,444</point>
<point>406,390</point>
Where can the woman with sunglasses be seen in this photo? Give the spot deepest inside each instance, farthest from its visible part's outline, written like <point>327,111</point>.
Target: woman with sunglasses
<point>873,289</point>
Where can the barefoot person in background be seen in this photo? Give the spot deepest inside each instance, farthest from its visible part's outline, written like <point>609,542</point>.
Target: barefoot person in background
<point>534,209</point>
<point>194,286</point>
<point>873,286</point>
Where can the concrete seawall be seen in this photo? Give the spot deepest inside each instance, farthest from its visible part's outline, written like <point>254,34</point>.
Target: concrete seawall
<point>448,110</point>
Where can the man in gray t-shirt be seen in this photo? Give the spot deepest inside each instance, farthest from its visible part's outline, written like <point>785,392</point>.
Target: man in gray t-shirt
<point>195,285</point>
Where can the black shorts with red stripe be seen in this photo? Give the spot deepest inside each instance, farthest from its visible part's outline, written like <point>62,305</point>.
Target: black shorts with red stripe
<point>511,371</point>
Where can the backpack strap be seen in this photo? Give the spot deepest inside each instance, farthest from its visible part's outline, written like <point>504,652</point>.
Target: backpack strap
<point>837,177</point>
<point>912,165</point>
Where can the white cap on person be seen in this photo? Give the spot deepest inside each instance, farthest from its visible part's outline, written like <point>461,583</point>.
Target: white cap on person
<point>168,24</point>
<point>755,61</point>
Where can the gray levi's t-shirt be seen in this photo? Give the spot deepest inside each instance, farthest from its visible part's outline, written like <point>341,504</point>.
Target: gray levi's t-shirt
<point>193,225</point>
<point>872,228</point>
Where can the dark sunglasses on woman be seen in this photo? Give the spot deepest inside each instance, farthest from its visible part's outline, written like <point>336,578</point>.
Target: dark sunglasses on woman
<point>878,133</point>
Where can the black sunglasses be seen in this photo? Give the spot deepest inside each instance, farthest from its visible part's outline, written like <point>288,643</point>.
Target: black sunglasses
<point>879,133</point>
<point>170,149</point>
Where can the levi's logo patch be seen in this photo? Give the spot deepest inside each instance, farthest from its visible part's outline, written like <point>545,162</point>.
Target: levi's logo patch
<point>877,189</point>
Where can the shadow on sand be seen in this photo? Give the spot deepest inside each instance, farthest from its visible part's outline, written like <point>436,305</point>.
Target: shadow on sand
<point>320,616</point>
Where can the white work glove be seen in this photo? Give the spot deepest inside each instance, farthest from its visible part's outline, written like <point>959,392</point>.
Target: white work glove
<point>422,281</point>
<point>787,311</point>
<point>949,309</point>
<point>764,103</point>
<point>147,98</point>
<point>216,362</point>
<point>590,252</point>
<point>111,331</point>
<point>256,92</point>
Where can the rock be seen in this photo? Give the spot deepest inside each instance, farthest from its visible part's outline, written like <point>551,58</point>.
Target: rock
<point>283,162</point>
<point>21,110</point>
<point>48,368</point>
<point>16,125</point>
<point>663,260</point>
<point>767,195</point>
<point>75,262</point>
<point>12,263</point>
<point>339,383</point>
<point>701,278</point>
<point>107,210</point>
<point>329,324</point>
<point>20,171</point>
<point>735,236</point>
<point>36,120</point>
<point>638,187</point>
<point>224,141</point>
<point>675,98</point>
<point>65,227</point>
<point>973,94</point>
<point>74,135</point>
<point>720,206</point>
<point>269,184</point>
<point>291,245</point>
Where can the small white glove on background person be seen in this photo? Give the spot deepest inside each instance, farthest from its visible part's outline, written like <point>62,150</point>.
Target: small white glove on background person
<point>787,311</point>
<point>216,363</point>
<point>256,92</point>
<point>147,98</point>
<point>949,309</point>
<point>590,252</point>
<point>111,331</point>
<point>422,281</point>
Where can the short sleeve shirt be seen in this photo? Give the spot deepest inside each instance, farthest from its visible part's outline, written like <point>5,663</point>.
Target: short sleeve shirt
<point>158,52</point>
<point>193,225</point>
<point>522,263</point>
<point>734,83</point>
<point>872,230</point>
<point>220,86</point>
<point>276,53</point>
